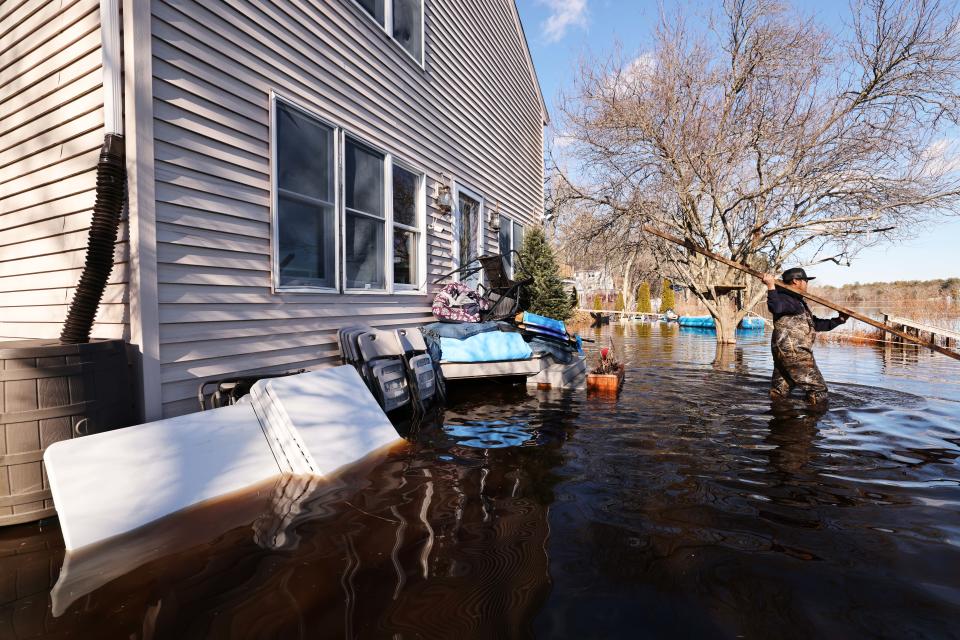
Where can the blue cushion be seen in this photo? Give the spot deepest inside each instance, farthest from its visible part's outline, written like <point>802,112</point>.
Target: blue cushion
<point>492,346</point>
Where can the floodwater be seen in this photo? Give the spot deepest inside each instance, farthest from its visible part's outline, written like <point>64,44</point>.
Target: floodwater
<point>685,507</point>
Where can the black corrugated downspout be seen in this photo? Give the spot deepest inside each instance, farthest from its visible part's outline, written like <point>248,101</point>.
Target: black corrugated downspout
<point>111,193</point>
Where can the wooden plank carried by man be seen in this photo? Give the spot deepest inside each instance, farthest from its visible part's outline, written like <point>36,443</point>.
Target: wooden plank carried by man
<point>903,335</point>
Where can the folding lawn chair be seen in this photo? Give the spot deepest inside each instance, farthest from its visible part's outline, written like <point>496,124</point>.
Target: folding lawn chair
<point>502,291</point>
<point>500,294</point>
<point>229,391</point>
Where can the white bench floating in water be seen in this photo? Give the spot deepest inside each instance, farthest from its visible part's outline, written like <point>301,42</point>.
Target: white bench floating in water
<point>111,483</point>
<point>464,370</point>
<point>540,369</point>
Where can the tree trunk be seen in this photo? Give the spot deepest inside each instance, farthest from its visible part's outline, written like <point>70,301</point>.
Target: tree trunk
<point>727,317</point>
<point>628,304</point>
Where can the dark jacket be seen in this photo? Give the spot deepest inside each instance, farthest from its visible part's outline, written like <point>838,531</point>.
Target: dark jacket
<point>787,303</point>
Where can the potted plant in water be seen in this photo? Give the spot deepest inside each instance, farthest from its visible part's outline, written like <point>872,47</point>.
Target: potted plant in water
<point>608,375</point>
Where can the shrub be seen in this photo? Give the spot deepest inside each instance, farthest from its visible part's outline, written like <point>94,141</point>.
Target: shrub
<point>667,300</point>
<point>643,298</point>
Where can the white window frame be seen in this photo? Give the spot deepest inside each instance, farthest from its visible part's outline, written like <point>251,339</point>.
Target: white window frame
<point>275,199</point>
<point>514,223</point>
<point>505,219</point>
<point>387,217</point>
<point>388,161</point>
<point>340,135</point>
<point>458,188</point>
<point>420,230</point>
<point>513,227</point>
<point>387,27</point>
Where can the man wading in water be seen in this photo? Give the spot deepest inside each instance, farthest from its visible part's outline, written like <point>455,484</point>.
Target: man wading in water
<point>792,344</point>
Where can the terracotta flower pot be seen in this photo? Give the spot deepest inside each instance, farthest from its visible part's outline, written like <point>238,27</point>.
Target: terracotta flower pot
<point>606,382</point>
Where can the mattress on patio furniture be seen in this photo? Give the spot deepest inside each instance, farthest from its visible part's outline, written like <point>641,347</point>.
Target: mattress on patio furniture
<point>493,346</point>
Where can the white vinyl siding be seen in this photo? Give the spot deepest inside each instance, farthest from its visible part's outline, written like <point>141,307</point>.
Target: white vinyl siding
<point>472,111</point>
<point>51,130</point>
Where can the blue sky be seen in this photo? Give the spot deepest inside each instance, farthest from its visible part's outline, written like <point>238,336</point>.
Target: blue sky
<point>561,32</point>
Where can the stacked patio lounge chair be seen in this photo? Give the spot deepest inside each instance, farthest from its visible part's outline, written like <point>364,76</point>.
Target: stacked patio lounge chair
<point>394,365</point>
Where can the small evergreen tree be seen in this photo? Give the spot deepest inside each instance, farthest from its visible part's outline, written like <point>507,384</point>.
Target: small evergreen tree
<point>597,303</point>
<point>643,298</point>
<point>574,298</point>
<point>667,300</point>
<point>545,295</point>
<point>619,305</point>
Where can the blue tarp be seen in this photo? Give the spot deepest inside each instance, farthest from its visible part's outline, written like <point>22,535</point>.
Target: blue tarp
<point>492,346</point>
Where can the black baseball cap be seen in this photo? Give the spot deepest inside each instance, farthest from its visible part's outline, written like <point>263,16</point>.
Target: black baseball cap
<point>795,274</point>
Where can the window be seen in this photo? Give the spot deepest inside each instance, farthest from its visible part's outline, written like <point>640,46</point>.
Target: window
<point>408,26</point>
<point>305,208</point>
<point>510,238</point>
<point>365,217</point>
<point>407,187</point>
<point>402,20</point>
<point>517,236</point>
<point>376,10</point>
<point>365,236</point>
<point>505,244</point>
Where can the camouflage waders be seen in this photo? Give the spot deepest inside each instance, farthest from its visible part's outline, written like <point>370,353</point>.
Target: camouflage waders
<point>793,363</point>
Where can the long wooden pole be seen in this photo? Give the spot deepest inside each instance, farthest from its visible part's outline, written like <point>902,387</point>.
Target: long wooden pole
<point>809,296</point>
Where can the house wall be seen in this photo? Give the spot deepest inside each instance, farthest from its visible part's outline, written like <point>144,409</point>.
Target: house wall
<point>473,113</point>
<point>51,130</point>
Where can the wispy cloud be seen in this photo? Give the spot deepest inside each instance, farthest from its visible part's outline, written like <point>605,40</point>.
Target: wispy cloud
<point>942,156</point>
<point>624,79</point>
<point>563,15</point>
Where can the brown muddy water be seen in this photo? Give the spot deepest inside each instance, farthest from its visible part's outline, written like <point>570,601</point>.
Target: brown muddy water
<point>686,507</point>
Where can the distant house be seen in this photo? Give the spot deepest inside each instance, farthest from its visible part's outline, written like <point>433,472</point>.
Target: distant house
<point>594,282</point>
<point>288,167</point>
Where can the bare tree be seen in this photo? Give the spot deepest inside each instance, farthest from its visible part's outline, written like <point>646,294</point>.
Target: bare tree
<point>758,134</point>
<point>583,243</point>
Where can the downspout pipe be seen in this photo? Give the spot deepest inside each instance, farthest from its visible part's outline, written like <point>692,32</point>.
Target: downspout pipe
<point>111,188</point>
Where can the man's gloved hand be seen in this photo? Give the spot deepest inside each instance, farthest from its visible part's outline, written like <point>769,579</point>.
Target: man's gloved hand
<point>843,318</point>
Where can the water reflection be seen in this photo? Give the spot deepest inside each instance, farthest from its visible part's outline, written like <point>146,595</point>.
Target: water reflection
<point>686,506</point>
<point>792,432</point>
<point>489,434</point>
<point>730,358</point>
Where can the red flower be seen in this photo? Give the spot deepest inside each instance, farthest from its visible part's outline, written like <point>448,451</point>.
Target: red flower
<point>604,352</point>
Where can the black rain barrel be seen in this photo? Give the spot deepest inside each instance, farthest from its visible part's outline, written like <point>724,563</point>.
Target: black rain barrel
<point>50,391</point>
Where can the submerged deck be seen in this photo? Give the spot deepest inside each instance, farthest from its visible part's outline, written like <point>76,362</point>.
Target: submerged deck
<point>950,338</point>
